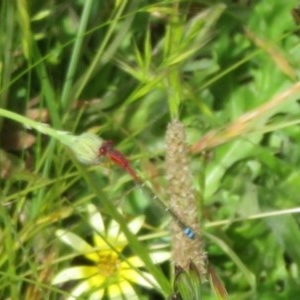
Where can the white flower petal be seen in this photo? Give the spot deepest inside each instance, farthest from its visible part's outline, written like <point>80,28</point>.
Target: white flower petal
<point>73,240</point>
<point>123,290</point>
<point>79,290</point>
<point>97,295</point>
<point>141,278</point>
<point>77,243</point>
<point>160,256</point>
<point>74,273</point>
<point>95,218</point>
<point>137,262</point>
<point>133,261</point>
<point>134,226</point>
<point>113,230</point>
<point>128,291</point>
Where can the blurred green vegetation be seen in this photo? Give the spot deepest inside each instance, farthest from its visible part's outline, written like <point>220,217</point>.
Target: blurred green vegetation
<point>123,70</point>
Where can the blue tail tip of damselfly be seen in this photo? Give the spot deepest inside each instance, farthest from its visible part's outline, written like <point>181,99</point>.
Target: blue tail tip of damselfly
<point>189,233</point>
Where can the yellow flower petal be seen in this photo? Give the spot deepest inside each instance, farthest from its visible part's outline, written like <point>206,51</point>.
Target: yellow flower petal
<point>75,273</point>
<point>114,291</point>
<point>100,243</point>
<point>77,243</point>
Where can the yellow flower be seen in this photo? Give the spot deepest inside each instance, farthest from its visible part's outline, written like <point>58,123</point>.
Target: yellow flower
<point>108,272</point>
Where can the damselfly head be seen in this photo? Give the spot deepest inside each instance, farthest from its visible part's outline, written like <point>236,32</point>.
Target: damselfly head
<point>105,148</point>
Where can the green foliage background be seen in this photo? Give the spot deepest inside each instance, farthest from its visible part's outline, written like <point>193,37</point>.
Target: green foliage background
<point>124,69</point>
